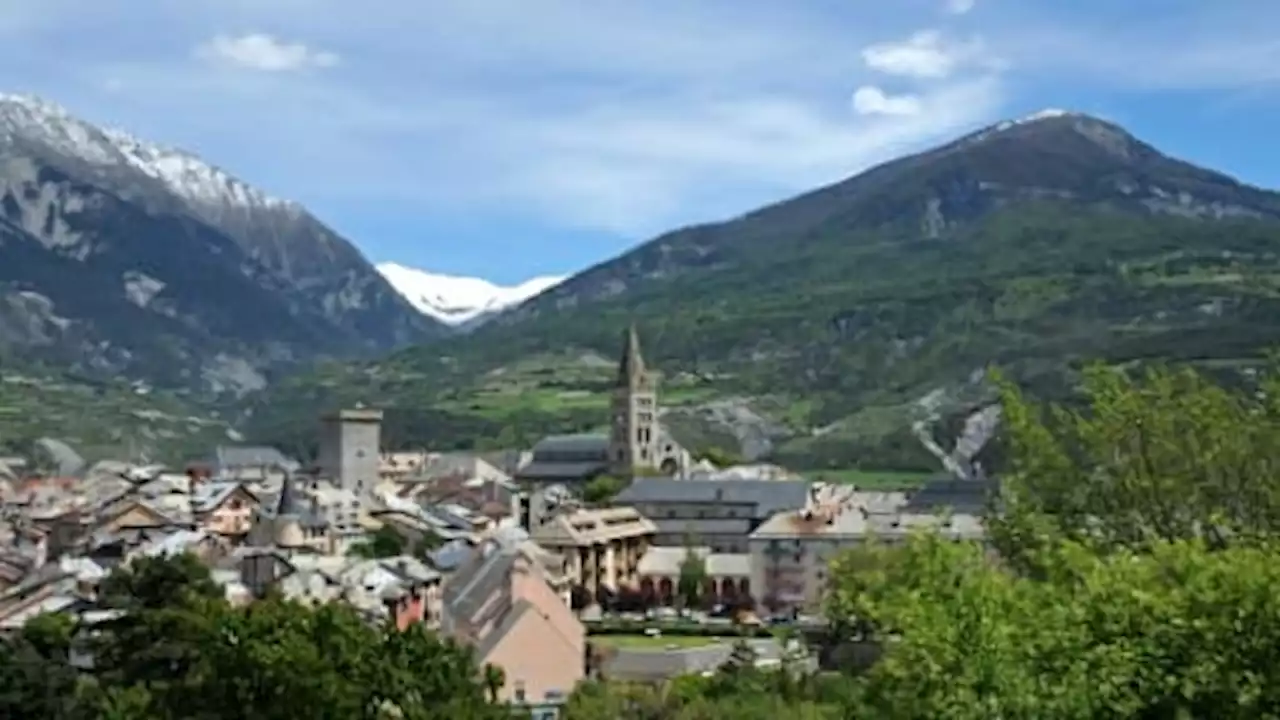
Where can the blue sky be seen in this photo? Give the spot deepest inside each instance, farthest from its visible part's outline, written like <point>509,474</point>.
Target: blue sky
<point>512,138</point>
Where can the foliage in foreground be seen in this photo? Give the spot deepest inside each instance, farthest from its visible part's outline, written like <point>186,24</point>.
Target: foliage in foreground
<point>180,651</point>
<point>1136,574</point>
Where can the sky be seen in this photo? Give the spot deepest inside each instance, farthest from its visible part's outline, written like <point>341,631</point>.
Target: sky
<point>506,139</point>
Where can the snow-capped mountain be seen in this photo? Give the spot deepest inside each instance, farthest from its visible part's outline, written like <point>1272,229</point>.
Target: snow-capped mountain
<point>462,302</point>
<point>129,257</point>
<point>29,120</point>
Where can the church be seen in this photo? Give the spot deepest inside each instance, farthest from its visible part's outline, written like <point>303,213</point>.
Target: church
<point>636,444</point>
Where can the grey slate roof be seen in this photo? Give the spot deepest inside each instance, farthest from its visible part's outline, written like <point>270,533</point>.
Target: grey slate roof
<point>286,503</point>
<point>207,496</point>
<point>476,581</point>
<point>450,555</point>
<point>561,470</point>
<point>579,443</point>
<point>961,496</point>
<point>243,456</point>
<point>768,496</point>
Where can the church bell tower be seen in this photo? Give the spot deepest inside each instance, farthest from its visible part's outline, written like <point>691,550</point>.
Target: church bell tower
<point>633,440</point>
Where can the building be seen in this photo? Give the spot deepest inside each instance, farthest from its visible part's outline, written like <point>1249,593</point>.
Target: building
<point>504,602</point>
<point>249,463</point>
<point>636,440</point>
<point>790,552</point>
<point>717,514</point>
<point>349,450</point>
<point>602,547</point>
<point>290,525</point>
<point>728,574</point>
<point>224,508</point>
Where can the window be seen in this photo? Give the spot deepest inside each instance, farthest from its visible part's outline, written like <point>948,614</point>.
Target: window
<point>520,691</point>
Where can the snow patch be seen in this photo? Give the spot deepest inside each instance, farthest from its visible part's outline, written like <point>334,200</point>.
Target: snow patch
<point>140,288</point>
<point>1035,117</point>
<point>458,300</point>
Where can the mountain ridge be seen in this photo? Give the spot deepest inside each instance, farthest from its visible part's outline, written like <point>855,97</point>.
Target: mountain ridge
<point>843,317</point>
<point>131,258</point>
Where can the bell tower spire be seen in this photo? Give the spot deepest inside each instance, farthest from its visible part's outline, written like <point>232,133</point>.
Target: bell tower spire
<point>633,440</point>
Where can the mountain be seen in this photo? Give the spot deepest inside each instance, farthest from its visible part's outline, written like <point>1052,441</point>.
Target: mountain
<point>122,258</point>
<point>853,325</point>
<point>460,302</point>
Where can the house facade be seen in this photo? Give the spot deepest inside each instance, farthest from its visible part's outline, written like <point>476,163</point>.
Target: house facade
<point>602,547</point>
<point>505,603</point>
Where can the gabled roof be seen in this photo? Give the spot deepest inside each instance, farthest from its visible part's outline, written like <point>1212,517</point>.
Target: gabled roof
<point>476,580</point>
<point>240,456</point>
<point>769,496</point>
<point>210,496</point>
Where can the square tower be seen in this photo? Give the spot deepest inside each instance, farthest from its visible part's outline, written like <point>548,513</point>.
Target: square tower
<point>633,437</point>
<point>350,441</point>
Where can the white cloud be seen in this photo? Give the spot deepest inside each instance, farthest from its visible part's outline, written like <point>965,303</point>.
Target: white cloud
<point>599,113</point>
<point>925,54</point>
<point>259,51</point>
<point>960,7</point>
<point>871,100</point>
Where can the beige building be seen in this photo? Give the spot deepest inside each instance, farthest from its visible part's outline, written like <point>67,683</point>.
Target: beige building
<point>790,553</point>
<point>728,575</point>
<point>506,603</point>
<point>602,547</point>
<point>224,508</point>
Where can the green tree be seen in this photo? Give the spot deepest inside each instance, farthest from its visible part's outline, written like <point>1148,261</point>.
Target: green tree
<point>602,489</point>
<point>1166,454</point>
<point>495,678</point>
<point>720,457</point>
<point>154,583</point>
<point>36,678</point>
<point>383,542</point>
<point>199,658</point>
<point>693,577</point>
<point>426,543</point>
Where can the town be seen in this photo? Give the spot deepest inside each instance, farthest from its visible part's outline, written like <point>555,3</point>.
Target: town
<point>513,553</point>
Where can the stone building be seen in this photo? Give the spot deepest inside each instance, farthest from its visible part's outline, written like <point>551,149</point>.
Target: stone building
<point>636,439</point>
<point>349,454</point>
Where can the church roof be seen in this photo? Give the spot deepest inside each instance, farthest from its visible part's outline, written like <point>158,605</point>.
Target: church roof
<point>287,503</point>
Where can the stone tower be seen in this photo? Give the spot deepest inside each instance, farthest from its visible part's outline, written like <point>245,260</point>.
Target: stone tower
<point>349,450</point>
<point>633,440</point>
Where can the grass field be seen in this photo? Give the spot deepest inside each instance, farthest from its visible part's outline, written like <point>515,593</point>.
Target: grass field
<point>643,642</point>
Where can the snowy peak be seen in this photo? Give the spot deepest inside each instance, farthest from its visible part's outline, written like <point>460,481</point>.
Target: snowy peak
<point>459,301</point>
<point>1052,118</point>
<point>32,121</point>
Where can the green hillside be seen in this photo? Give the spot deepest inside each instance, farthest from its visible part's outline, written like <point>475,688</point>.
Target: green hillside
<point>829,323</point>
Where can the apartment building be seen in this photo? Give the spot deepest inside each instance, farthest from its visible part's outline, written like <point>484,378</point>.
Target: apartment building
<point>602,547</point>
<point>790,552</point>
